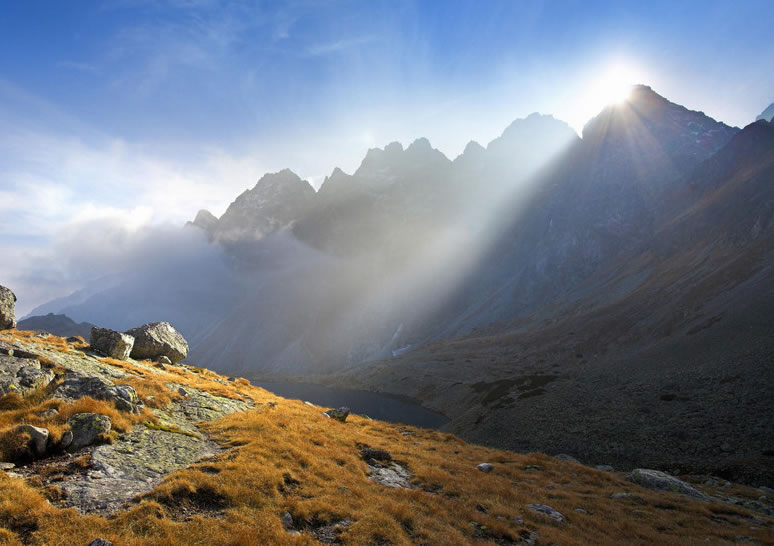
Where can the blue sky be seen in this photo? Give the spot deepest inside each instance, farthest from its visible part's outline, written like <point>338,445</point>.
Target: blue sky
<point>140,112</point>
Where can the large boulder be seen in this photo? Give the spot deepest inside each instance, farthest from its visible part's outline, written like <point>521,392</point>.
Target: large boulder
<point>111,343</point>
<point>655,479</point>
<point>87,429</point>
<point>7,308</point>
<point>79,386</point>
<point>158,339</point>
<point>22,375</point>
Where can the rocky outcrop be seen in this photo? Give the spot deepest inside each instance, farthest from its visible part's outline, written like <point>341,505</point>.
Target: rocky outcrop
<point>78,386</point>
<point>7,308</point>
<point>111,343</point>
<point>158,339</point>
<point>22,375</point>
<point>655,479</point>
<point>87,428</point>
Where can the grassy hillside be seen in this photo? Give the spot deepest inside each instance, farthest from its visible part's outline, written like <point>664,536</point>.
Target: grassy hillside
<point>283,457</point>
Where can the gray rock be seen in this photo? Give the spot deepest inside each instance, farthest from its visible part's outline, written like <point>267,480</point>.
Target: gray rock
<point>605,468</point>
<point>86,428</point>
<point>548,511</point>
<point>340,414</point>
<point>22,375</point>
<point>393,475</point>
<point>164,360</point>
<point>111,343</point>
<point>287,521</point>
<point>100,542</point>
<point>655,479</point>
<point>46,414</point>
<point>7,308</point>
<point>78,386</point>
<point>38,438</point>
<point>157,339</point>
<point>7,466</point>
<point>485,467</point>
<point>67,439</point>
<point>580,511</point>
<point>622,495</point>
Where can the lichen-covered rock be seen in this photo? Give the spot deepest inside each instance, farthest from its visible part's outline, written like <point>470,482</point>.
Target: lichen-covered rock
<point>22,375</point>
<point>111,343</point>
<point>655,479</point>
<point>157,339</point>
<point>78,386</point>
<point>7,308</point>
<point>38,438</point>
<point>86,428</point>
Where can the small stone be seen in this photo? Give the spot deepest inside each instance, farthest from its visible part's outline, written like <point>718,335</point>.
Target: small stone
<point>38,438</point>
<point>46,414</point>
<point>581,511</point>
<point>100,542</point>
<point>67,439</point>
<point>605,468</point>
<point>620,495</point>
<point>271,404</point>
<point>485,467</point>
<point>182,392</point>
<point>548,511</point>
<point>164,360</point>
<point>287,521</point>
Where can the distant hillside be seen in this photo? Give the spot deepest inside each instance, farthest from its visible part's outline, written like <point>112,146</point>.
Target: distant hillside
<point>60,325</point>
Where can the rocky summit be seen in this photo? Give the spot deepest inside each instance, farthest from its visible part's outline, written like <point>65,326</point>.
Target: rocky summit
<point>97,450</point>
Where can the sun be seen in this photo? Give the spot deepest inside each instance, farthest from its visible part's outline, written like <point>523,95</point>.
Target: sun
<point>614,86</point>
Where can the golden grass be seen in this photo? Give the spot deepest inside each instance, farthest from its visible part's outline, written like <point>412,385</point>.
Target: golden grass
<point>290,458</point>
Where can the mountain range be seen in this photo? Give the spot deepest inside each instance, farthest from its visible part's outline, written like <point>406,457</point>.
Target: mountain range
<point>608,295</point>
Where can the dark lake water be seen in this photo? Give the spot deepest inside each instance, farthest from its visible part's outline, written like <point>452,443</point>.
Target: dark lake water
<point>376,405</point>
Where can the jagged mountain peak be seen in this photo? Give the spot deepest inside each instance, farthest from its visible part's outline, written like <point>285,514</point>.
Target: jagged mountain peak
<point>767,114</point>
<point>205,220</point>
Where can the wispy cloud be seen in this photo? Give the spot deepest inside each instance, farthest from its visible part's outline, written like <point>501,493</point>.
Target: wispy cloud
<point>339,46</point>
